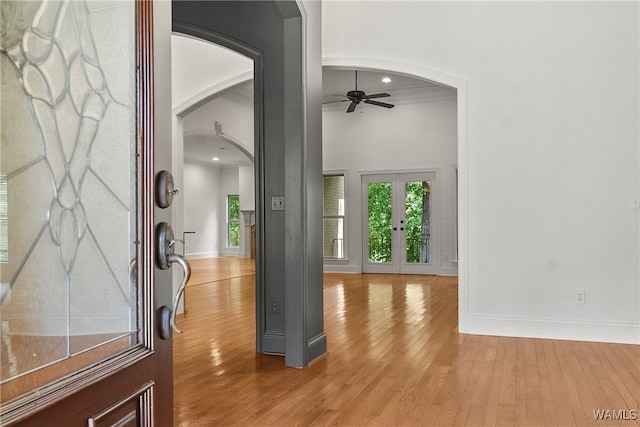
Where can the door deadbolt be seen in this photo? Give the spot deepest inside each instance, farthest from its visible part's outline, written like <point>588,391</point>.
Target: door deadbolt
<point>165,189</point>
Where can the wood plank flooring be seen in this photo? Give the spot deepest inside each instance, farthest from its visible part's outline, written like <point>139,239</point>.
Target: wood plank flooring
<point>394,359</point>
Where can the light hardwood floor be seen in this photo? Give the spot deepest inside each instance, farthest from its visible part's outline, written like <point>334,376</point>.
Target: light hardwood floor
<point>394,358</point>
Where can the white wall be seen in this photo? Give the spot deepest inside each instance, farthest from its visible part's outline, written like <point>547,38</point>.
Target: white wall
<point>202,210</point>
<point>236,118</point>
<point>205,197</point>
<point>412,136</point>
<point>552,155</point>
<point>247,188</point>
<point>199,71</point>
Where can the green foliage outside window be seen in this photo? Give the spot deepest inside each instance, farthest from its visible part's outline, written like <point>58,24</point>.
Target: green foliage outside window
<point>380,222</point>
<point>418,221</point>
<point>233,221</point>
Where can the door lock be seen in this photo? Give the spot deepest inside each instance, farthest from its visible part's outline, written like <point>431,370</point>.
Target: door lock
<point>165,189</point>
<point>165,257</point>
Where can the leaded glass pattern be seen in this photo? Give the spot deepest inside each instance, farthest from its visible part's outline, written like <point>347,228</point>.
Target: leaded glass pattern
<point>67,169</point>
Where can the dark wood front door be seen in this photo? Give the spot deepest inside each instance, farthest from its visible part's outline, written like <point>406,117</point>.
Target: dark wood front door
<point>80,290</point>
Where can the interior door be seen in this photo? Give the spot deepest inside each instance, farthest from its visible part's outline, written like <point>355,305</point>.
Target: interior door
<point>399,223</point>
<point>78,302</point>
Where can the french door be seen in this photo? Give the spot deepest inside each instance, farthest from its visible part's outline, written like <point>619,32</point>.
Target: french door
<point>399,223</point>
<point>80,290</point>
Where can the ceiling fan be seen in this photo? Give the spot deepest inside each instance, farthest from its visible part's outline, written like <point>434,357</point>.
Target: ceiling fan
<point>357,96</point>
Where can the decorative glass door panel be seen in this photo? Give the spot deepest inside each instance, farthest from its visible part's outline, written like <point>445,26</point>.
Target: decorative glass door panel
<point>68,184</point>
<point>399,228</point>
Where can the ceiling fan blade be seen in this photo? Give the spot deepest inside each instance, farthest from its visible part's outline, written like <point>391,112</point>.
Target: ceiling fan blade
<point>379,104</point>
<point>352,107</point>
<point>332,102</point>
<point>376,95</point>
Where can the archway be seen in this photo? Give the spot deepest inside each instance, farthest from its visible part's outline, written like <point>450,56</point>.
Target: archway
<point>460,85</point>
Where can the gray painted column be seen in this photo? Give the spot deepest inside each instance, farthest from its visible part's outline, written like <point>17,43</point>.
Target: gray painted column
<point>288,156</point>
<point>305,338</point>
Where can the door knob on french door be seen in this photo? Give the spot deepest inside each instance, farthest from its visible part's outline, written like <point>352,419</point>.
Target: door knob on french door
<point>165,258</point>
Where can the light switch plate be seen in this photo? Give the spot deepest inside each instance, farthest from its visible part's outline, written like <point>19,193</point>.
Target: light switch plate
<point>277,203</point>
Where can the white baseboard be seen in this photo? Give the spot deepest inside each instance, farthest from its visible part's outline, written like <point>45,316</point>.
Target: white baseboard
<point>448,271</point>
<point>227,252</point>
<point>351,268</point>
<point>340,268</point>
<point>230,252</point>
<point>558,329</point>
<point>202,255</point>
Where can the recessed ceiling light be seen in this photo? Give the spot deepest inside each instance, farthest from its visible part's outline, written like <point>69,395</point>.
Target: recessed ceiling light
<point>215,159</point>
<point>386,80</point>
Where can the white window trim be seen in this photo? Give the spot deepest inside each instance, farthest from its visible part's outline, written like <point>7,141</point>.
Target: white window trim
<point>345,222</point>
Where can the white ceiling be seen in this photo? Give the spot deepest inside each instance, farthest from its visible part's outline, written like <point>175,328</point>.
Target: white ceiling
<point>202,148</point>
<point>336,83</point>
<point>197,66</point>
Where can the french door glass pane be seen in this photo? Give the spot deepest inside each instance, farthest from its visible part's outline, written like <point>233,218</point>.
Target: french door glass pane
<point>418,221</point>
<point>380,222</point>
<point>68,174</point>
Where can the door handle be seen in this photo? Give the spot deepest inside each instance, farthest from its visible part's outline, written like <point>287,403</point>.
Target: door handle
<point>179,259</point>
<point>165,258</point>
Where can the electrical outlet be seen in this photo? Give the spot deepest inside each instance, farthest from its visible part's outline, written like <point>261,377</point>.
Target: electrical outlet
<point>275,305</point>
<point>580,297</point>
